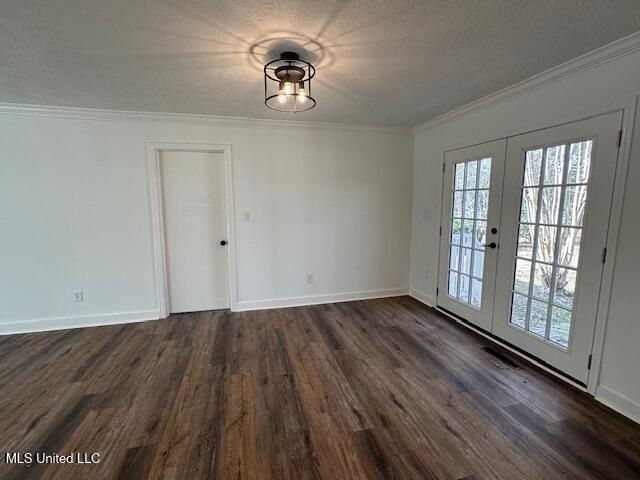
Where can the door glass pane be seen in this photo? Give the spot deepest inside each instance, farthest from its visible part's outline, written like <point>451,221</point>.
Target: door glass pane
<point>565,287</point>
<point>484,173</point>
<point>525,240</point>
<point>456,226</point>
<point>554,165</point>
<point>465,262</point>
<point>457,204</point>
<point>467,233</point>
<point>523,276</point>
<point>538,317</point>
<point>464,288</point>
<point>529,205</point>
<point>570,247</point>
<point>469,210</point>
<point>553,201</point>
<point>459,177</point>
<point>546,243</point>
<point>472,172</point>
<point>541,281</point>
<point>579,162</point>
<point>478,263</point>
<point>481,235</point>
<point>519,310</point>
<point>575,201</point>
<point>454,258</point>
<point>550,205</point>
<point>469,204</point>
<point>482,204</point>
<point>453,284</point>
<point>533,162</point>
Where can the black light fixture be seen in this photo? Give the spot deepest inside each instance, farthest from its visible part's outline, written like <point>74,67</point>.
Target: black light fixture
<point>287,84</point>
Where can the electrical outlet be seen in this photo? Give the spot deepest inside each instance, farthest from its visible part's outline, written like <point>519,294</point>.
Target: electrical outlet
<point>78,296</point>
<point>309,278</point>
<point>246,216</point>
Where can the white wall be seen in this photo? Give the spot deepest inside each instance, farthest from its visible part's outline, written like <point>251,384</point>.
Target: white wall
<point>74,214</point>
<point>607,86</point>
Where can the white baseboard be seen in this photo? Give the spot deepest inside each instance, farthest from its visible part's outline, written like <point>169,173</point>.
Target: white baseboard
<point>619,403</point>
<point>246,305</point>
<point>428,300</point>
<point>63,323</point>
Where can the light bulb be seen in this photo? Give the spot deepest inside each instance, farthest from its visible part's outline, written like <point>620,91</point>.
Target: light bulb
<point>287,88</point>
<point>282,98</point>
<point>302,95</point>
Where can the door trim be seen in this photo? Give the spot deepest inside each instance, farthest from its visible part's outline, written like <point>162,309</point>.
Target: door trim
<point>622,166</point>
<point>154,151</point>
<point>613,234</point>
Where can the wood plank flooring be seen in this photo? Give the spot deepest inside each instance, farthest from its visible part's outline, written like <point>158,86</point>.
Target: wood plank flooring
<point>376,389</point>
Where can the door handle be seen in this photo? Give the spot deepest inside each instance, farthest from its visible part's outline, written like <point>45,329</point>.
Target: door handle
<point>491,245</point>
<point>223,242</point>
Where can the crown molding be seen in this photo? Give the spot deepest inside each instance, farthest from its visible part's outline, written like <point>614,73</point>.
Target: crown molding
<point>79,113</point>
<point>607,53</point>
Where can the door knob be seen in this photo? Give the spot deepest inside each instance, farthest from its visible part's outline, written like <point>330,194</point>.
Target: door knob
<point>223,242</point>
<point>491,245</point>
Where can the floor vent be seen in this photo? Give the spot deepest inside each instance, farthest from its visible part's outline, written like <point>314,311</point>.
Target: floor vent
<point>503,358</point>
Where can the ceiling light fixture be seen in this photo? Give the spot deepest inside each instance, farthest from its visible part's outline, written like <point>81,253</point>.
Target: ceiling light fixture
<point>287,84</point>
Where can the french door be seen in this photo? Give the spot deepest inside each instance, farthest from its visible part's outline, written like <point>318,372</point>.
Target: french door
<point>553,209</point>
<point>471,218</point>
<point>556,203</point>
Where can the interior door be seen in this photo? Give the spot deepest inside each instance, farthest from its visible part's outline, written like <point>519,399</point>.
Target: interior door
<point>557,195</point>
<point>472,193</point>
<point>194,208</point>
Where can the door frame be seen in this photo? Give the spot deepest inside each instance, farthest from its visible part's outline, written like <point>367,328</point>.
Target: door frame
<point>629,112</point>
<point>154,152</point>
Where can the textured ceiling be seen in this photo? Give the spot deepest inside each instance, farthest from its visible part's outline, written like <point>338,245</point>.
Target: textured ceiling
<point>380,62</point>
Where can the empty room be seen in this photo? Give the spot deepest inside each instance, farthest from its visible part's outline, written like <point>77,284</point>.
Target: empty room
<point>323,240</point>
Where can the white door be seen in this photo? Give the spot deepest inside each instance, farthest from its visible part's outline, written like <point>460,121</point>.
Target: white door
<point>558,186</point>
<point>195,225</point>
<point>472,193</point>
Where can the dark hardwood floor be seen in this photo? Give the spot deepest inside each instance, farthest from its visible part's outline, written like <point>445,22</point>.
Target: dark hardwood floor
<point>371,389</point>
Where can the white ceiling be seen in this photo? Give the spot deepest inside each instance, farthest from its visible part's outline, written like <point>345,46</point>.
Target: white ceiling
<point>379,62</point>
